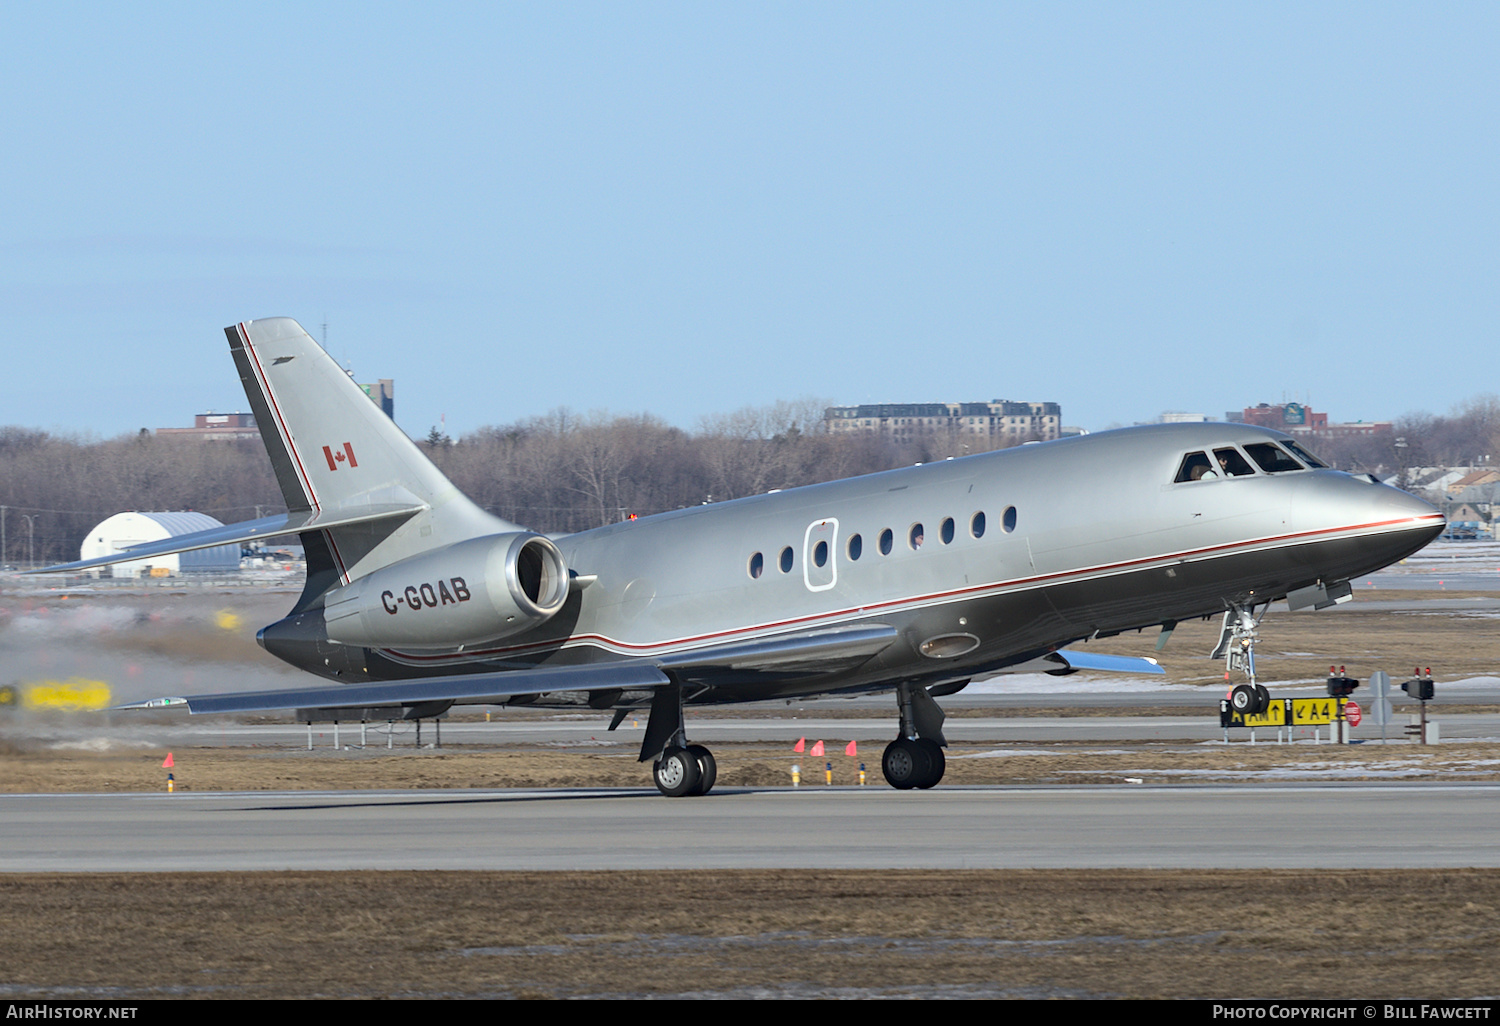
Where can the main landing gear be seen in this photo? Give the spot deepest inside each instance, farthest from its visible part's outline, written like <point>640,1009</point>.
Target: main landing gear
<point>913,762</point>
<point>679,769</point>
<point>685,771</point>
<point>915,758</point>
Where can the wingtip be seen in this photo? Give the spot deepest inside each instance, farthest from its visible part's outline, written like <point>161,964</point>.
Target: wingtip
<point>152,703</point>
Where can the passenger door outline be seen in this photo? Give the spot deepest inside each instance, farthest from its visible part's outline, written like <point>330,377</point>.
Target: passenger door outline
<point>820,578</point>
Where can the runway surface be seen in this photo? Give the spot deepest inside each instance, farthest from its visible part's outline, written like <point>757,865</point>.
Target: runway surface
<point>1252,826</point>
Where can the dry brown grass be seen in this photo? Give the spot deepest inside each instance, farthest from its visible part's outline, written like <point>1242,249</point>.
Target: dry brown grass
<point>1065,933</point>
<point>740,764</point>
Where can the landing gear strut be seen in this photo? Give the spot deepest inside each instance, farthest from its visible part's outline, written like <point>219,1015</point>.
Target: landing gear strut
<point>1236,645</point>
<point>915,758</point>
<point>679,769</point>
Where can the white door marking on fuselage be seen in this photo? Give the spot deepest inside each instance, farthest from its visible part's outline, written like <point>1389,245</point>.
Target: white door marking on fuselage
<point>820,540</point>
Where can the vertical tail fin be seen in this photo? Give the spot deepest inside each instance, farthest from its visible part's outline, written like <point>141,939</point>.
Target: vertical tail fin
<point>333,451</point>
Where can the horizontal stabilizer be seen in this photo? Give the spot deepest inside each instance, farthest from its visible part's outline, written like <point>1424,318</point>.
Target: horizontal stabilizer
<point>472,688</point>
<point>248,530</point>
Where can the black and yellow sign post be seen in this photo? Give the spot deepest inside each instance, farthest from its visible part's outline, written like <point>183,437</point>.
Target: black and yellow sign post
<point>1284,715</point>
<point>1287,713</point>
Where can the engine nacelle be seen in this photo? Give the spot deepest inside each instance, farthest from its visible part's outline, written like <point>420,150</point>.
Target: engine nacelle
<point>470,592</point>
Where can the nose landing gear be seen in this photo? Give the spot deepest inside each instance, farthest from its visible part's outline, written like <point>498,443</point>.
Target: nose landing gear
<point>1236,645</point>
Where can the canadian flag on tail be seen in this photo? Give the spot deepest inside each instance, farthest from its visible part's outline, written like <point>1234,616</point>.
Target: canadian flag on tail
<point>335,458</point>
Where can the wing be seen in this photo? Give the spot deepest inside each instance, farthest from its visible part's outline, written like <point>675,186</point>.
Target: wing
<point>787,657</point>
<point>799,655</point>
<point>478,687</point>
<point>1065,661</point>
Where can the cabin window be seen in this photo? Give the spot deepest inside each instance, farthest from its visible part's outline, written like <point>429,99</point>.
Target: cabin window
<point>887,539</point>
<point>976,524</point>
<point>915,537</point>
<point>820,554</point>
<point>1272,458</point>
<point>1195,467</point>
<point>1009,521</point>
<point>1305,456</point>
<point>856,546</point>
<point>757,565</point>
<point>1232,464</point>
<point>786,560</point>
<point>945,531</point>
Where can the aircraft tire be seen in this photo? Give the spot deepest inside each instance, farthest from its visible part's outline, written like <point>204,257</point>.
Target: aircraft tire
<point>1243,700</point>
<point>937,763</point>
<point>708,768</point>
<point>1262,698</point>
<point>676,773</point>
<point>905,764</point>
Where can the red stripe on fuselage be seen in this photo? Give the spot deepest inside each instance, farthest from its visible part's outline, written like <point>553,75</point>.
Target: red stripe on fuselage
<point>862,611</point>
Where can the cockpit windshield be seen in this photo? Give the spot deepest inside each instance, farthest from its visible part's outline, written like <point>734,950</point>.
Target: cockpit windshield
<point>1305,456</point>
<point>1232,463</point>
<point>1228,462</point>
<point>1272,458</point>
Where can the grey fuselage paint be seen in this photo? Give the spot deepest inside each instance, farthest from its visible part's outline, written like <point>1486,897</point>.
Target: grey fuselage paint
<point>1104,541</point>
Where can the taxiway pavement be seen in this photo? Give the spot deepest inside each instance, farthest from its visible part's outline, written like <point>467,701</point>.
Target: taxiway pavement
<point>1250,826</point>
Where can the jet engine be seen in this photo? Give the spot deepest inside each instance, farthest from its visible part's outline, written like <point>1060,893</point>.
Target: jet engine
<point>470,592</point>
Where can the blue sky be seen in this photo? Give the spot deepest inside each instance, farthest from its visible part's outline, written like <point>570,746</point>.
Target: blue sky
<point>688,208</point>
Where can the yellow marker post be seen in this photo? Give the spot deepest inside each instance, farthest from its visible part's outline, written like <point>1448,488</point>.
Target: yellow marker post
<point>796,775</point>
<point>828,773</point>
<point>73,695</point>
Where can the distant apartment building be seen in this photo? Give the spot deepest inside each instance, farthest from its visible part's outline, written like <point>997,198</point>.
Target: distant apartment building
<point>1000,419</point>
<point>383,394</point>
<point>212,427</point>
<point>1296,419</point>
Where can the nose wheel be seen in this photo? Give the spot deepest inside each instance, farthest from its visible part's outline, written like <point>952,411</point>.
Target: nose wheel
<point>1250,699</point>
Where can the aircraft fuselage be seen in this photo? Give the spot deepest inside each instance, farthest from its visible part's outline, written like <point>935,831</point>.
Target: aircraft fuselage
<point>978,563</point>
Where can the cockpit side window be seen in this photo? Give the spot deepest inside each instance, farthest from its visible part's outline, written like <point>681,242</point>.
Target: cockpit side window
<point>1232,463</point>
<point>1271,458</point>
<point>1195,467</point>
<point>1305,456</point>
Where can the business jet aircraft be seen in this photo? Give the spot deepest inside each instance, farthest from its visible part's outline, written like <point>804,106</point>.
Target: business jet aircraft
<point>913,580</point>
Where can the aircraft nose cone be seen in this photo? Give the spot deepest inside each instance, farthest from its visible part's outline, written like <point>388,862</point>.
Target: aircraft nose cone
<point>1389,523</point>
<point>1398,503</point>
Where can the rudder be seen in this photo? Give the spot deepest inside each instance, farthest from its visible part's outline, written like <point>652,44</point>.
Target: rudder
<point>332,449</point>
